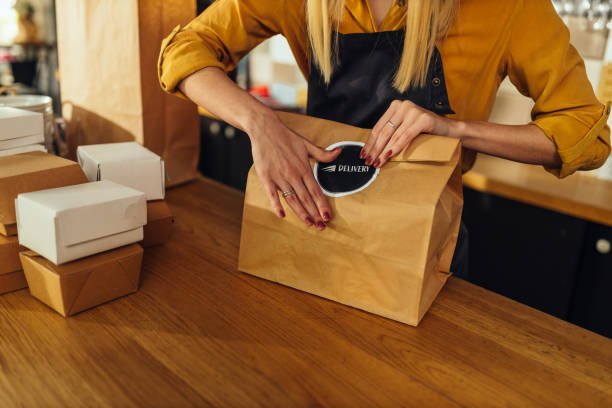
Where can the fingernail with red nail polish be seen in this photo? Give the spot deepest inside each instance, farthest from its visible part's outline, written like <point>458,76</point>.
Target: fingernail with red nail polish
<point>282,214</point>
<point>320,225</point>
<point>389,153</point>
<point>377,163</point>
<point>361,154</point>
<point>368,161</point>
<point>326,216</point>
<point>309,221</point>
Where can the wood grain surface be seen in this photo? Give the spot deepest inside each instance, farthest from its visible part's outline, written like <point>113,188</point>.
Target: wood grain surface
<point>579,195</point>
<point>200,333</point>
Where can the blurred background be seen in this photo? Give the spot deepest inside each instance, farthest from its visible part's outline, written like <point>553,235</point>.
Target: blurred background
<point>541,241</point>
<point>28,59</point>
<point>28,50</point>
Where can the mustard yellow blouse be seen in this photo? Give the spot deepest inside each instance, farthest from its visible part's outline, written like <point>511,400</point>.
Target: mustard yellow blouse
<point>489,40</point>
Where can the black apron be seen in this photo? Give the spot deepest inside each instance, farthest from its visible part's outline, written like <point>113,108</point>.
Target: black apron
<point>361,90</point>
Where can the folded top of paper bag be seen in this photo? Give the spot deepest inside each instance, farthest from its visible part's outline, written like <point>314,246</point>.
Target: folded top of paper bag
<point>126,163</point>
<point>323,133</point>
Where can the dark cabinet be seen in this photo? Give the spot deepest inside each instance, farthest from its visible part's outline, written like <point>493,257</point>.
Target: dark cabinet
<point>225,153</point>
<point>524,252</point>
<point>592,306</point>
<point>550,261</point>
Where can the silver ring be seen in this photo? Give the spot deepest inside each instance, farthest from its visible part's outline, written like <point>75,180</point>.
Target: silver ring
<point>288,193</point>
<point>393,125</point>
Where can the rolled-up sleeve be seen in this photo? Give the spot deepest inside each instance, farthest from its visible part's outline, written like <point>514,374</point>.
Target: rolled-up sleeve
<point>543,65</point>
<point>218,37</point>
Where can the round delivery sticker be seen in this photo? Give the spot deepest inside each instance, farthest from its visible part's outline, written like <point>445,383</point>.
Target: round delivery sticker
<point>348,174</point>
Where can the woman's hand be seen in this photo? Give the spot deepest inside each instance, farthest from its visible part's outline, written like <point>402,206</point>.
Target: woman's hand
<point>404,121</point>
<point>280,155</point>
<point>400,124</point>
<point>281,159</point>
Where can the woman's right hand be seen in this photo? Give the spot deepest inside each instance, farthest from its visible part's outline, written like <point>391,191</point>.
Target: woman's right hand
<point>280,155</point>
<point>281,159</point>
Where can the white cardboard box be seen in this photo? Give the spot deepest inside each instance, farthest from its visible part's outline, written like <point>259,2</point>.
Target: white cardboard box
<point>23,149</point>
<point>21,141</point>
<point>68,223</point>
<point>126,163</point>
<point>18,122</point>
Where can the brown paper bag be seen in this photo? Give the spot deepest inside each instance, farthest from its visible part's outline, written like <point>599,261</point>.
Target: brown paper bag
<point>389,247</point>
<point>108,53</point>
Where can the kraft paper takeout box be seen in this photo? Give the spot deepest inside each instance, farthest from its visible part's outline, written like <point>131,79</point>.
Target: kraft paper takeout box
<point>10,282</point>
<point>16,123</point>
<point>11,275</point>
<point>83,284</point>
<point>68,223</point>
<point>125,163</point>
<point>9,254</point>
<point>32,171</point>
<point>159,224</point>
<point>389,246</point>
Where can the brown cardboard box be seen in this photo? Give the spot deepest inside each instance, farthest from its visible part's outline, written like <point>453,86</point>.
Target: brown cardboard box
<point>75,286</point>
<point>11,275</point>
<point>33,171</point>
<point>12,281</point>
<point>9,254</point>
<point>159,224</point>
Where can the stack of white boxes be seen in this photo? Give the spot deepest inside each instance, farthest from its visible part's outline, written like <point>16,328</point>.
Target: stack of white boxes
<point>22,173</point>
<point>83,243</point>
<point>83,239</point>
<point>133,165</point>
<point>20,131</point>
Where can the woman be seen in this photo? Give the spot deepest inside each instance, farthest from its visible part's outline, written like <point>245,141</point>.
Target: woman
<point>399,67</point>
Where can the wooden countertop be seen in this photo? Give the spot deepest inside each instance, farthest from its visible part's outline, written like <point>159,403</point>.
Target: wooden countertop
<point>200,333</point>
<point>578,195</point>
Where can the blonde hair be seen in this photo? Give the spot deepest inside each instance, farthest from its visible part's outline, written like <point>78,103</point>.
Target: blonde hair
<point>426,21</point>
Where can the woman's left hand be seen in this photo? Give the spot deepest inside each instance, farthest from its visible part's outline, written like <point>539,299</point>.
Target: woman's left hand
<point>396,129</point>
